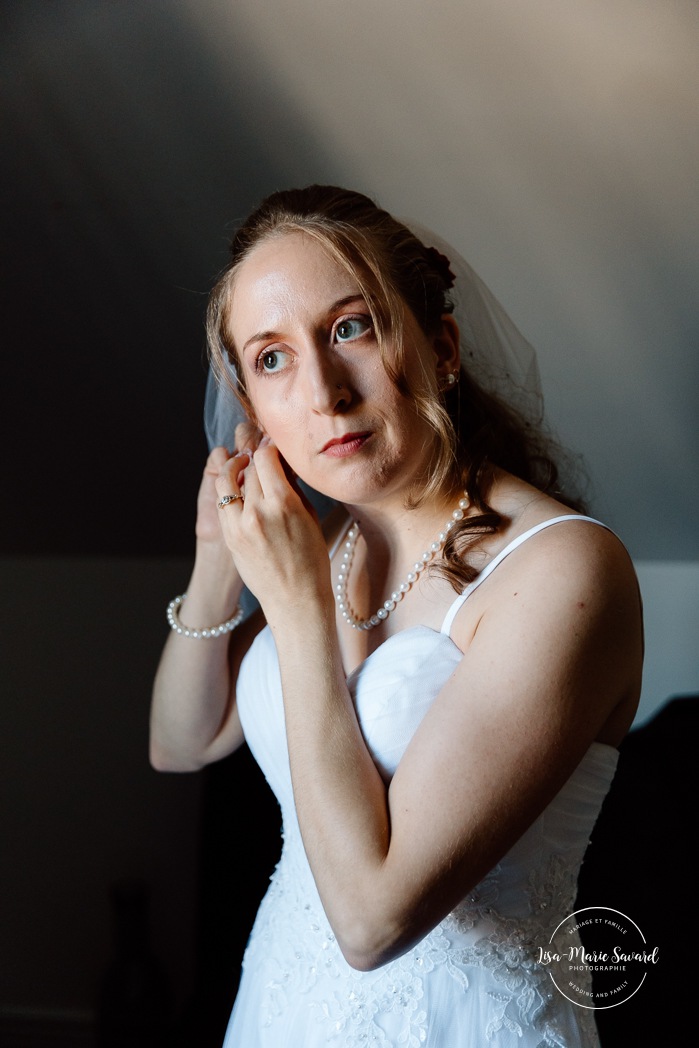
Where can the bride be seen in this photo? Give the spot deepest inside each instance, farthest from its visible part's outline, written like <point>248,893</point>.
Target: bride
<point>439,673</point>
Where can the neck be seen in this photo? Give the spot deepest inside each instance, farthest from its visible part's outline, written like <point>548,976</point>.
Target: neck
<point>392,534</point>
<point>389,544</point>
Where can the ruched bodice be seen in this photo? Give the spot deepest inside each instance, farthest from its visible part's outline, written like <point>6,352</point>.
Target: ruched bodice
<point>473,980</point>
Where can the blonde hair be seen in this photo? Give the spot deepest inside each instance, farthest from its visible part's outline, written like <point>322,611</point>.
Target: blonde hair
<point>473,430</point>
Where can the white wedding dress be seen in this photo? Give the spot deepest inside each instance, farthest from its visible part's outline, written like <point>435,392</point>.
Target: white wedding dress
<point>473,980</point>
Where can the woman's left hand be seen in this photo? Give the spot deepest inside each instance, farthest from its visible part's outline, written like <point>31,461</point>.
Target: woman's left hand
<point>274,535</point>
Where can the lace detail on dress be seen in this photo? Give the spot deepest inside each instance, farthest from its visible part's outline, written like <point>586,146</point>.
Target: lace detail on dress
<point>509,951</point>
<point>298,958</point>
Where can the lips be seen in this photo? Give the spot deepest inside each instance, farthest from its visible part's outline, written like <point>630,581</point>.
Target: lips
<point>348,444</point>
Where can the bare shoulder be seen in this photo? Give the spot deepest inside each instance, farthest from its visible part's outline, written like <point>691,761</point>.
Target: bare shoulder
<point>577,553</point>
<point>574,565</point>
<point>555,546</point>
<point>566,608</point>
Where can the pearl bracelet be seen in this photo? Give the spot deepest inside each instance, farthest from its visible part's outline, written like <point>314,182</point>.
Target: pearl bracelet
<point>203,632</point>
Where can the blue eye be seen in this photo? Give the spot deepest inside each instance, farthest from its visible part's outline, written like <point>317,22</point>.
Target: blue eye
<point>350,328</point>
<point>271,360</point>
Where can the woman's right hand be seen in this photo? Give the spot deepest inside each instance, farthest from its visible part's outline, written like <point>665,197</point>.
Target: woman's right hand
<point>208,527</point>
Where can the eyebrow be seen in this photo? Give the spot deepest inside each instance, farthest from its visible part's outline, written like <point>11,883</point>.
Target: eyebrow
<point>262,336</point>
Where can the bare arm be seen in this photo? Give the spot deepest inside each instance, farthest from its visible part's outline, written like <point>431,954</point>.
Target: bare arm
<point>194,718</point>
<point>193,715</point>
<point>498,743</point>
<point>496,746</point>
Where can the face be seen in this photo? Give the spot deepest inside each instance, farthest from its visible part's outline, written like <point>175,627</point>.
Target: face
<point>315,376</point>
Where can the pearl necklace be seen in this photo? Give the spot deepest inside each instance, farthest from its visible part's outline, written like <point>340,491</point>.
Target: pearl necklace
<point>419,566</point>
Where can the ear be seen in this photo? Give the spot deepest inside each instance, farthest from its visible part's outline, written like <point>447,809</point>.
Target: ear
<point>446,349</point>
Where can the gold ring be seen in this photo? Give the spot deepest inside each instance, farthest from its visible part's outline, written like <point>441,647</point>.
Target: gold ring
<point>228,499</point>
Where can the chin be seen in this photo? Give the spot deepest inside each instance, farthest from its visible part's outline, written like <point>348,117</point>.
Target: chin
<point>360,484</point>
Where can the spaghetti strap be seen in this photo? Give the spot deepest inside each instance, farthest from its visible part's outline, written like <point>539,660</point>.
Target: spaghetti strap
<point>458,603</point>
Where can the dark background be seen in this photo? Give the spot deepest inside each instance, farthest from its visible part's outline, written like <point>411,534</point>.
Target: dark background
<point>558,148</point>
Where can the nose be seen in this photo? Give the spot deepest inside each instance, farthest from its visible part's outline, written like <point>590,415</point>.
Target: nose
<point>329,390</point>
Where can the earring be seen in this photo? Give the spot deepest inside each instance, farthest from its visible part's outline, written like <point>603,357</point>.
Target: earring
<point>451,378</point>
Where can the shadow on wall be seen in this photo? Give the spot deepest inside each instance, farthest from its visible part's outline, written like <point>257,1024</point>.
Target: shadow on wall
<point>638,862</point>
<point>123,191</point>
<point>240,843</point>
